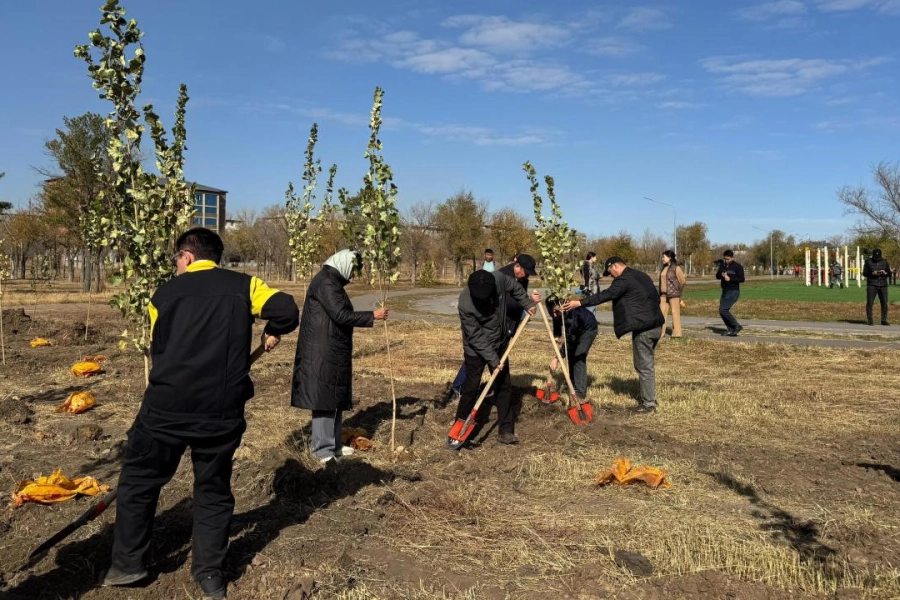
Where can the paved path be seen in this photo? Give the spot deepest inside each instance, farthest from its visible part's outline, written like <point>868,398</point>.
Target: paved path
<point>438,305</point>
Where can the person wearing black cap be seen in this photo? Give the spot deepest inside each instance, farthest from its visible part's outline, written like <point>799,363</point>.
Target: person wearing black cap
<point>731,274</point>
<point>876,271</point>
<point>519,269</point>
<point>482,315</point>
<point>635,310</point>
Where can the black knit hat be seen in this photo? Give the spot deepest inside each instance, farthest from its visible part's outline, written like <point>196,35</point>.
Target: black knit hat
<point>482,285</point>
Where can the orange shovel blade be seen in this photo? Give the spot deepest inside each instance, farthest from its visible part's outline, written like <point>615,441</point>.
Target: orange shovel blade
<point>588,409</point>
<point>573,414</point>
<point>459,433</point>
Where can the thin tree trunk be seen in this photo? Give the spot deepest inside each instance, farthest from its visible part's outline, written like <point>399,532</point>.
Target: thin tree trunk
<point>87,274</point>
<point>87,319</point>
<point>2,338</point>
<point>387,339</point>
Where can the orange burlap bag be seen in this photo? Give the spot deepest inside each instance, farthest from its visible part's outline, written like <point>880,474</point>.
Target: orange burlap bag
<point>86,368</point>
<point>77,402</point>
<point>356,438</point>
<point>623,473</point>
<point>56,488</point>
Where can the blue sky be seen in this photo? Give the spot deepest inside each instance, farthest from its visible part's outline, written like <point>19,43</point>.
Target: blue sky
<point>740,114</point>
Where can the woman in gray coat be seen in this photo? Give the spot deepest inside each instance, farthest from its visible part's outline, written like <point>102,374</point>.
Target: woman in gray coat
<point>323,368</point>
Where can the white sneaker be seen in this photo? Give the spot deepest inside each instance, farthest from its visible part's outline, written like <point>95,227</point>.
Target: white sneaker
<point>346,450</point>
<point>327,460</point>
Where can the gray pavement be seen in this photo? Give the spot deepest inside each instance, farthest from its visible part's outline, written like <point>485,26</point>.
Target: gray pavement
<point>438,305</point>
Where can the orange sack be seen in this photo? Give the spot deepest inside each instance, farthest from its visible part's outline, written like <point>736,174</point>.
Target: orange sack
<point>77,402</point>
<point>86,368</point>
<point>356,438</point>
<point>38,342</point>
<point>56,488</point>
<point>623,473</point>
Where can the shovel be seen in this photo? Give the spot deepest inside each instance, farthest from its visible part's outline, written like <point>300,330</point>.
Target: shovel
<point>461,430</point>
<point>547,394</point>
<point>580,413</point>
<point>100,507</point>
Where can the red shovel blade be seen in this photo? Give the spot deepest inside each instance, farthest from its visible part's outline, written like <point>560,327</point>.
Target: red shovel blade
<point>588,409</point>
<point>573,414</point>
<point>460,432</point>
<point>581,414</point>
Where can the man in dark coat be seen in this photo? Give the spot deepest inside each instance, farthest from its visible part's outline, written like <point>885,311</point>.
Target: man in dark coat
<point>323,365</point>
<point>483,320</point>
<point>635,310</point>
<point>200,328</point>
<point>518,270</point>
<point>876,271</point>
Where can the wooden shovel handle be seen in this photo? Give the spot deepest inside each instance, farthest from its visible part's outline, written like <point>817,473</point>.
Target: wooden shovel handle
<point>563,365</point>
<point>503,358</point>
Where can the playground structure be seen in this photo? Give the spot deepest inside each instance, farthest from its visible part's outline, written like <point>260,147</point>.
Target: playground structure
<point>821,274</point>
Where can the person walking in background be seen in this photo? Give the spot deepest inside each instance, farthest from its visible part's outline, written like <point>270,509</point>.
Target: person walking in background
<point>488,264</point>
<point>200,334</point>
<point>837,273</point>
<point>731,275</point>
<point>671,285</point>
<point>323,365</point>
<point>876,271</point>
<point>590,276</point>
<point>635,310</point>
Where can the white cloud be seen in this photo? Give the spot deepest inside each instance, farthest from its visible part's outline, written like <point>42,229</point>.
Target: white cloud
<point>481,136</point>
<point>612,46</point>
<point>778,78</point>
<point>503,35</point>
<point>876,123</point>
<point>677,105</point>
<point>317,114</point>
<point>463,61</point>
<point>775,9</point>
<point>887,7</point>
<point>634,79</point>
<point>502,54</point>
<point>645,18</point>
<point>771,155</point>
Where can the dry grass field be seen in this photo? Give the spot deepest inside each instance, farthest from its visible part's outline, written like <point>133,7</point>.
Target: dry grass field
<point>784,462</point>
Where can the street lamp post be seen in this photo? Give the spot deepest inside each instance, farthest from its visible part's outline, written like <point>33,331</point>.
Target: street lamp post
<point>771,252</point>
<point>674,223</point>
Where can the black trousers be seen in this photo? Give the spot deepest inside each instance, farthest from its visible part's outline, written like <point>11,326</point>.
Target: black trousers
<point>151,458</point>
<point>506,410</point>
<point>881,292</point>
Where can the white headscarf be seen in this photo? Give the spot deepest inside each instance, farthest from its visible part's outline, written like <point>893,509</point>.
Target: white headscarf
<point>343,261</point>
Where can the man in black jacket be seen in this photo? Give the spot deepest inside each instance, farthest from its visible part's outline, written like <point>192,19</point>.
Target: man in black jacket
<point>483,320</point>
<point>876,271</point>
<point>635,310</point>
<point>731,275</point>
<point>519,270</point>
<point>200,327</point>
<point>323,365</point>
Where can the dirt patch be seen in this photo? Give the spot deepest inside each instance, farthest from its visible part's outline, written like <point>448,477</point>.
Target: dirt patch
<point>771,499</point>
<point>14,411</point>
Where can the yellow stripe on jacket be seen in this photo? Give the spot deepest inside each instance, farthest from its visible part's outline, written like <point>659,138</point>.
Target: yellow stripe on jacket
<point>259,292</point>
